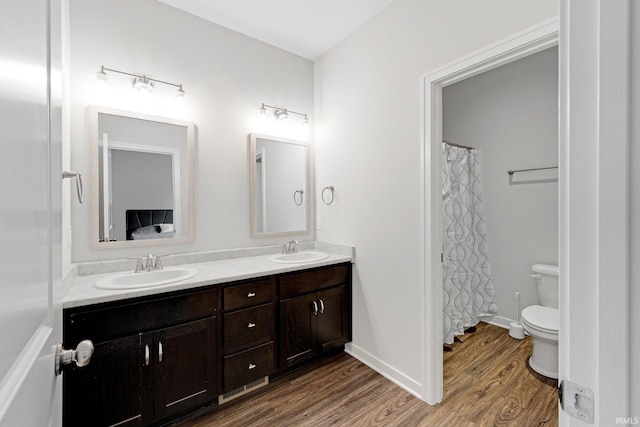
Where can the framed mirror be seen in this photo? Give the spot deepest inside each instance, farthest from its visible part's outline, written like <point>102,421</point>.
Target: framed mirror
<point>142,174</point>
<point>279,176</point>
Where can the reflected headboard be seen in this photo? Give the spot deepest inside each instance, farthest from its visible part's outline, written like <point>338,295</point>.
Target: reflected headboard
<point>139,218</point>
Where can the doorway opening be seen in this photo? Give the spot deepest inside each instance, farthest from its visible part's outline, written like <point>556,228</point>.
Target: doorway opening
<point>531,41</point>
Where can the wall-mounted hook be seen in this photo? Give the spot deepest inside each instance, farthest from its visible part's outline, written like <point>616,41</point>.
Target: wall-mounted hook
<point>79,186</point>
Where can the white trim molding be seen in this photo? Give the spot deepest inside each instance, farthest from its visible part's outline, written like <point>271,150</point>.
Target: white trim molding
<point>594,189</point>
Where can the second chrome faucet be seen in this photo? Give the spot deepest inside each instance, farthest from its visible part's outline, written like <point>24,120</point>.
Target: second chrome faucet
<point>290,247</point>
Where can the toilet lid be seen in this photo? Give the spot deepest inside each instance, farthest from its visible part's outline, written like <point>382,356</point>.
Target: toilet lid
<point>544,318</point>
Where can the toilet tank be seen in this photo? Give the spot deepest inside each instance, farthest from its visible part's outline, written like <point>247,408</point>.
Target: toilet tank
<point>546,279</point>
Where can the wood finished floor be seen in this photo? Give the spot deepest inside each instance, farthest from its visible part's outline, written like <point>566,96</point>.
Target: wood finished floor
<point>487,382</point>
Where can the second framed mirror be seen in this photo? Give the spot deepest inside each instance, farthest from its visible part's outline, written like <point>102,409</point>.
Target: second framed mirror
<point>279,173</point>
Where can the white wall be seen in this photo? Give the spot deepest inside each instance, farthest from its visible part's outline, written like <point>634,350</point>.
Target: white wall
<point>368,146</point>
<point>226,75</point>
<point>511,114</point>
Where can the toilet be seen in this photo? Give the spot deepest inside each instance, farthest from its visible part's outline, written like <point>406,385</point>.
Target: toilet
<point>541,321</point>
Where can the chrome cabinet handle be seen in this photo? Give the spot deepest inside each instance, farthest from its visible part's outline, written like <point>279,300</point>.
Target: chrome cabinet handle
<point>146,355</point>
<point>321,306</point>
<point>252,366</point>
<point>315,308</point>
<point>251,294</point>
<point>160,353</point>
<point>251,325</point>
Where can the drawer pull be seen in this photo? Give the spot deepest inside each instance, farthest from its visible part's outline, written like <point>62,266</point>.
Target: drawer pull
<point>321,306</point>
<point>160,353</point>
<point>251,325</point>
<point>315,308</point>
<point>146,355</point>
<point>251,294</point>
<point>252,366</point>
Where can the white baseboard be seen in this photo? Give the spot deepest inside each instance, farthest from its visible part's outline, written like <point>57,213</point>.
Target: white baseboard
<point>384,369</point>
<point>499,321</point>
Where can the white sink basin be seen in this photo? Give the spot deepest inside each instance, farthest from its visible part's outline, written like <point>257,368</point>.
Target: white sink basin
<point>298,257</point>
<point>145,279</point>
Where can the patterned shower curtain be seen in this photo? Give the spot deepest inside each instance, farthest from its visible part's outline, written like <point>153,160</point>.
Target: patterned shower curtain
<point>468,288</point>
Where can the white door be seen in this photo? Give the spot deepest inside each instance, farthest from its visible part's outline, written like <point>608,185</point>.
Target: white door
<point>30,213</point>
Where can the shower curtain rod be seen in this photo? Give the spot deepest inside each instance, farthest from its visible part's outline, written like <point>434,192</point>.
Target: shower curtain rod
<point>458,145</point>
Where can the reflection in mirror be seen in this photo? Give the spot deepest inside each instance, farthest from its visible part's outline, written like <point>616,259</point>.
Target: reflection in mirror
<point>279,170</point>
<point>143,179</point>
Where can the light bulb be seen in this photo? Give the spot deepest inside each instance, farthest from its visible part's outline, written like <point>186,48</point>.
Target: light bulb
<point>101,76</point>
<point>180,93</point>
<point>143,84</point>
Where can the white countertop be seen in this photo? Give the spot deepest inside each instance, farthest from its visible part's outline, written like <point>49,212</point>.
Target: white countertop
<point>83,292</point>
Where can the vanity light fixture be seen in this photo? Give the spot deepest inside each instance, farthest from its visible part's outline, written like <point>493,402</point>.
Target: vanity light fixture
<point>140,82</point>
<point>282,114</point>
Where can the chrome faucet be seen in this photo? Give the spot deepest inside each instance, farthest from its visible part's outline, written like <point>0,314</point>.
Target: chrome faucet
<point>290,247</point>
<point>152,263</point>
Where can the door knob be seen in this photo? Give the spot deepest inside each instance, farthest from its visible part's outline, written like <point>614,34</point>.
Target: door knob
<point>81,355</point>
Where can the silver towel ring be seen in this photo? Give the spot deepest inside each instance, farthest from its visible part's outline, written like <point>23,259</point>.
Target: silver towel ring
<point>295,199</point>
<point>79,186</point>
<point>324,198</point>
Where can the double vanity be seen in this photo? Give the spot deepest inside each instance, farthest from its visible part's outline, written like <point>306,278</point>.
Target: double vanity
<point>177,334</point>
<point>165,350</point>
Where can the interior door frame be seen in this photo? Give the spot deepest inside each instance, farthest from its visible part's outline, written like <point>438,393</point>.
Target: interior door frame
<point>525,43</point>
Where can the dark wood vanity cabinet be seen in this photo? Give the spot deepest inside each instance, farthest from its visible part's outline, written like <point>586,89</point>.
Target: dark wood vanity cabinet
<point>159,357</point>
<point>153,359</point>
<point>315,313</point>
<point>249,329</point>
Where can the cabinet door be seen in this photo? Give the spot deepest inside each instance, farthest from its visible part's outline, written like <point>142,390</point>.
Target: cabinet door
<point>334,328</point>
<point>107,391</point>
<point>297,329</point>
<point>184,367</point>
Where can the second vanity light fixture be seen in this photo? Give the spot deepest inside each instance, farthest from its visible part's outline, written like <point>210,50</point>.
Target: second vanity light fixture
<point>140,82</point>
<point>282,114</point>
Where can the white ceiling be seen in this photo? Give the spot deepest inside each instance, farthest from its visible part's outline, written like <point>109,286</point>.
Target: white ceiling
<point>307,28</point>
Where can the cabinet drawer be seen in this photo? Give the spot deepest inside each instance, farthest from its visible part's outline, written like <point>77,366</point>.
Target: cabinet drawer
<point>135,316</point>
<point>249,327</point>
<point>311,281</point>
<point>248,294</point>
<point>249,365</point>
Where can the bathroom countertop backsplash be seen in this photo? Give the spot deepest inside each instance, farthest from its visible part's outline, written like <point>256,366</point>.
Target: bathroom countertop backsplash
<point>213,267</point>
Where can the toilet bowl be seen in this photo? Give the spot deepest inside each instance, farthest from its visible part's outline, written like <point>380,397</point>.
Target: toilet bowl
<point>542,324</point>
<point>541,321</point>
